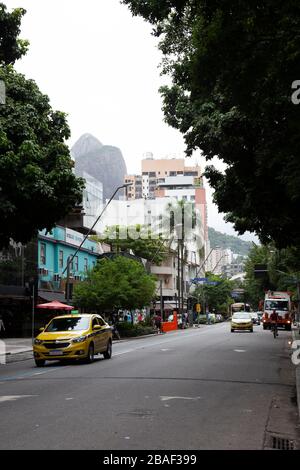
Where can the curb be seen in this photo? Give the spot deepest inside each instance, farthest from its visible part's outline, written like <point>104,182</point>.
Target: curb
<point>16,355</point>
<point>297,373</point>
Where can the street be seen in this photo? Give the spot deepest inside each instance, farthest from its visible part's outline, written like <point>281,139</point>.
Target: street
<point>194,389</point>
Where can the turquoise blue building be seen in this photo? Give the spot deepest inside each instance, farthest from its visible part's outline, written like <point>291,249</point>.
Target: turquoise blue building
<point>54,248</point>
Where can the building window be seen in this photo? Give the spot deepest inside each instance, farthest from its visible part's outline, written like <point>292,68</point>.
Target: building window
<point>61,259</point>
<point>43,253</point>
<point>85,264</point>
<point>76,263</point>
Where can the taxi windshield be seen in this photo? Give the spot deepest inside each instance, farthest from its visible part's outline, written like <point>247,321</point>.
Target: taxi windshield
<point>68,324</point>
<point>241,316</point>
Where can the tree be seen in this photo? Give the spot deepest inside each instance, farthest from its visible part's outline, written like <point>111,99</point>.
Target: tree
<point>283,269</point>
<point>232,65</point>
<point>37,183</point>
<point>216,297</point>
<point>255,287</point>
<point>12,48</point>
<point>118,283</point>
<point>139,239</point>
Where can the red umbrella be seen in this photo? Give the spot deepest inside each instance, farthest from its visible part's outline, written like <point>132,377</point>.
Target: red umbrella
<point>55,305</point>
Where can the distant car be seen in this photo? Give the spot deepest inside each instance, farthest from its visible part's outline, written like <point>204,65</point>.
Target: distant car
<point>260,315</point>
<point>219,317</point>
<point>73,337</point>
<point>255,318</point>
<point>241,321</point>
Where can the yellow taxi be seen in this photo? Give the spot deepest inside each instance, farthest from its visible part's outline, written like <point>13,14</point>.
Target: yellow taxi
<point>241,321</point>
<point>79,336</point>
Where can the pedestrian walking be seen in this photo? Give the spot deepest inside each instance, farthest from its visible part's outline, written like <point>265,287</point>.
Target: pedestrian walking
<point>2,327</point>
<point>157,323</point>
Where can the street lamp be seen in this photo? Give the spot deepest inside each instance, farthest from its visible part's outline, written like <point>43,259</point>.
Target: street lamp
<point>223,256</point>
<point>71,257</point>
<point>203,264</point>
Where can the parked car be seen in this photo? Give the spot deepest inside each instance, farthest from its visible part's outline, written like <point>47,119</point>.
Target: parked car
<point>255,318</point>
<point>241,321</point>
<point>73,337</point>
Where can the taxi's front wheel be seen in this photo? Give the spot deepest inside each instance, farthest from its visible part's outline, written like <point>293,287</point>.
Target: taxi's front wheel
<point>108,352</point>
<point>91,353</point>
<point>39,362</point>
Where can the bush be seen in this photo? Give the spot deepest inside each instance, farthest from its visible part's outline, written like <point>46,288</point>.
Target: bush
<point>128,330</point>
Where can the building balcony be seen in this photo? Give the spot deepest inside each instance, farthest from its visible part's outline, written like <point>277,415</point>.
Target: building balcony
<point>163,270</point>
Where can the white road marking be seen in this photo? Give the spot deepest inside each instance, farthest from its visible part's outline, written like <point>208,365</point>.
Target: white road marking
<point>179,398</point>
<point>14,397</point>
<point>240,350</point>
<point>69,398</point>
<point>125,352</point>
<point>164,350</point>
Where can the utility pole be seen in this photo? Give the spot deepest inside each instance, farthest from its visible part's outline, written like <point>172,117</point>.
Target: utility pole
<point>68,280</point>
<point>298,298</point>
<point>178,278</point>
<point>161,300</point>
<point>182,276</point>
<point>71,257</point>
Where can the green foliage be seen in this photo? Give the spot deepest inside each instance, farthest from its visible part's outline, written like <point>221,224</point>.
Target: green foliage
<point>232,65</point>
<point>120,283</point>
<point>235,244</point>
<point>37,184</point>
<point>11,47</point>
<point>129,330</point>
<point>283,268</point>
<point>139,239</point>
<point>255,288</point>
<point>216,297</point>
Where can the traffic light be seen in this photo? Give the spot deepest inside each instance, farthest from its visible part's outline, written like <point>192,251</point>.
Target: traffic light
<point>198,308</point>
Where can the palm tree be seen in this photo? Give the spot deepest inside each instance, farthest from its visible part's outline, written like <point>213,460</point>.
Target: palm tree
<point>179,225</point>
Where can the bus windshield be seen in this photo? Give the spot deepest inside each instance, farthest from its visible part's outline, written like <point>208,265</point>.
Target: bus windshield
<point>240,307</point>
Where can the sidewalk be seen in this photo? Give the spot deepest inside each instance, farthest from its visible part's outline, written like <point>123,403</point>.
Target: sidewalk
<point>296,337</point>
<point>16,345</point>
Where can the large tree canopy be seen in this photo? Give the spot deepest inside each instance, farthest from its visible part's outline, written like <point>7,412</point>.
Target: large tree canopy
<point>11,47</point>
<point>232,65</point>
<point>120,283</point>
<point>37,183</point>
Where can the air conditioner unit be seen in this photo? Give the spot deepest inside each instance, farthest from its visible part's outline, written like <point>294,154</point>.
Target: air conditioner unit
<point>43,272</point>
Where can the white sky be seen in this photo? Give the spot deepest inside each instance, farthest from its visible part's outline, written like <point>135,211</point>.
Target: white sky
<point>100,65</point>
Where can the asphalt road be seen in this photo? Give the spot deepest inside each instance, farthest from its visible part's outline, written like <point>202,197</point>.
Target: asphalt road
<point>195,389</point>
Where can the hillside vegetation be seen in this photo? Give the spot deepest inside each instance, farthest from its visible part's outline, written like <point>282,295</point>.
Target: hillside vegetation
<point>222,240</point>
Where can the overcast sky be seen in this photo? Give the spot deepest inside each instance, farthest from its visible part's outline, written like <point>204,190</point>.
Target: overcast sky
<point>100,65</point>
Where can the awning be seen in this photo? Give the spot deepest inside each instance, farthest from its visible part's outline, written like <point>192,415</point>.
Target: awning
<point>166,307</point>
<point>54,305</point>
<point>49,296</point>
